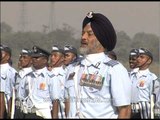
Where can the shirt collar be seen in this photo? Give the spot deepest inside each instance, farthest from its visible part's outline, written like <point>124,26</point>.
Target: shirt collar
<point>25,71</point>
<point>4,65</point>
<point>143,72</point>
<point>40,72</point>
<point>90,59</point>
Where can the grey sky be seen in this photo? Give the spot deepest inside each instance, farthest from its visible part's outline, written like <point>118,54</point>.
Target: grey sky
<point>131,17</point>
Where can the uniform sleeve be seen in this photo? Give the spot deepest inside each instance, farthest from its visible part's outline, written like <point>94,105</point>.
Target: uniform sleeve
<point>3,81</point>
<point>120,86</point>
<point>13,74</point>
<point>157,104</point>
<point>156,86</point>
<point>10,84</point>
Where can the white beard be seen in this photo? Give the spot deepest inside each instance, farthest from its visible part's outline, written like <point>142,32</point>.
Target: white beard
<point>84,51</point>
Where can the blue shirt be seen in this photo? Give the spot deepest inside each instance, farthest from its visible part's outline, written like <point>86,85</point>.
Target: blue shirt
<point>142,85</point>
<point>60,76</point>
<point>102,87</point>
<point>20,83</point>
<point>7,79</point>
<point>42,89</point>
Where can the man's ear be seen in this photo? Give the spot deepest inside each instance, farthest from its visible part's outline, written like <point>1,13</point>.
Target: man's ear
<point>7,56</point>
<point>149,61</point>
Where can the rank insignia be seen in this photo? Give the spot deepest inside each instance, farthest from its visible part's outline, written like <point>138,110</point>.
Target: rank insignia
<point>71,76</point>
<point>4,78</point>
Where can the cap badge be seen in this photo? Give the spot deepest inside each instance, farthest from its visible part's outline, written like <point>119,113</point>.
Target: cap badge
<point>90,14</point>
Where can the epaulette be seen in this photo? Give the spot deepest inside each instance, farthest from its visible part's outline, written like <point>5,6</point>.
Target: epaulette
<point>31,72</point>
<point>77,63</point>
<point>50,74</point>
<point>111,63</point>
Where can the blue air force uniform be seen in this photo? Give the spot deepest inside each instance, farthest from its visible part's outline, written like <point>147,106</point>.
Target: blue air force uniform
<point>144,83</point>
<point>40,87</point>
<point>100,86</point>
<point>7,79</point>
<point>20,93</point>
<point>59,76</point>
<point>70,89</point>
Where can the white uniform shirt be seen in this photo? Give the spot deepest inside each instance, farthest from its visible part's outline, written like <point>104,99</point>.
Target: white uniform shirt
<point>20,81</point>
<point>70,91</point>
<point>115,90</point>
<point>42,88</point>
<point>7,80</point>
<point>60,74</point>
<point>142,85</point>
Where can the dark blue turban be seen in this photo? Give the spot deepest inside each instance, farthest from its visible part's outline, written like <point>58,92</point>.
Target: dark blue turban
<point>102,28</point>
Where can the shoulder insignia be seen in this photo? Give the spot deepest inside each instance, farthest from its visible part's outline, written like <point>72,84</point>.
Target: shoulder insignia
<point>71,75</point>
<point>50,74</point>
<point>4,77</point>
<point>111,63</point>
<point>31,72</point>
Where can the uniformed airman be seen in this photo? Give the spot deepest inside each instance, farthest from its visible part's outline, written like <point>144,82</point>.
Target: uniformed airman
<point>144,83</point>
<point>57,69</point>
<point>42,90</point>
<point>71,60</point>
<point>102,88</point>
<point>25,65</point>
<point>7,81</point>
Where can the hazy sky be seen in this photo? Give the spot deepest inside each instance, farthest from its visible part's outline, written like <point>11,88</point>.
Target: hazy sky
<point>131,17</point>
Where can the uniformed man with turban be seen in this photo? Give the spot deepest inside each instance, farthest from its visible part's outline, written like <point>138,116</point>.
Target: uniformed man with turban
<point>102,85</point>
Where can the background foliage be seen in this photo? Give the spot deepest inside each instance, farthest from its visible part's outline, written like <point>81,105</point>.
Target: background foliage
<point>65,35</point>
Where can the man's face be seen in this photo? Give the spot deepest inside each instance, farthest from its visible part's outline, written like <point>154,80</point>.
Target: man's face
<point>4,57</point>
<point>25,61</point>
<point>69,57</point>
<point>89,42</point>
<point>39,62</point>
<point>56,59</point>
<point>133,61</point>
<point>143,60</point>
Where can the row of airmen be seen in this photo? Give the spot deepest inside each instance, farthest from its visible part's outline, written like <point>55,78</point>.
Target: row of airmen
<point>40,85</point>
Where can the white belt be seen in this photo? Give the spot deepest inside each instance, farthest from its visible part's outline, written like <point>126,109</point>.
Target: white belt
<point>28,110</point>
<point>31,110</point>
<point>135,107</point>
<point>18,103</point>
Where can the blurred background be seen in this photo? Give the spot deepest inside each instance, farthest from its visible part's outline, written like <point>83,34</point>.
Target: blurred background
<point>24,24</point>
